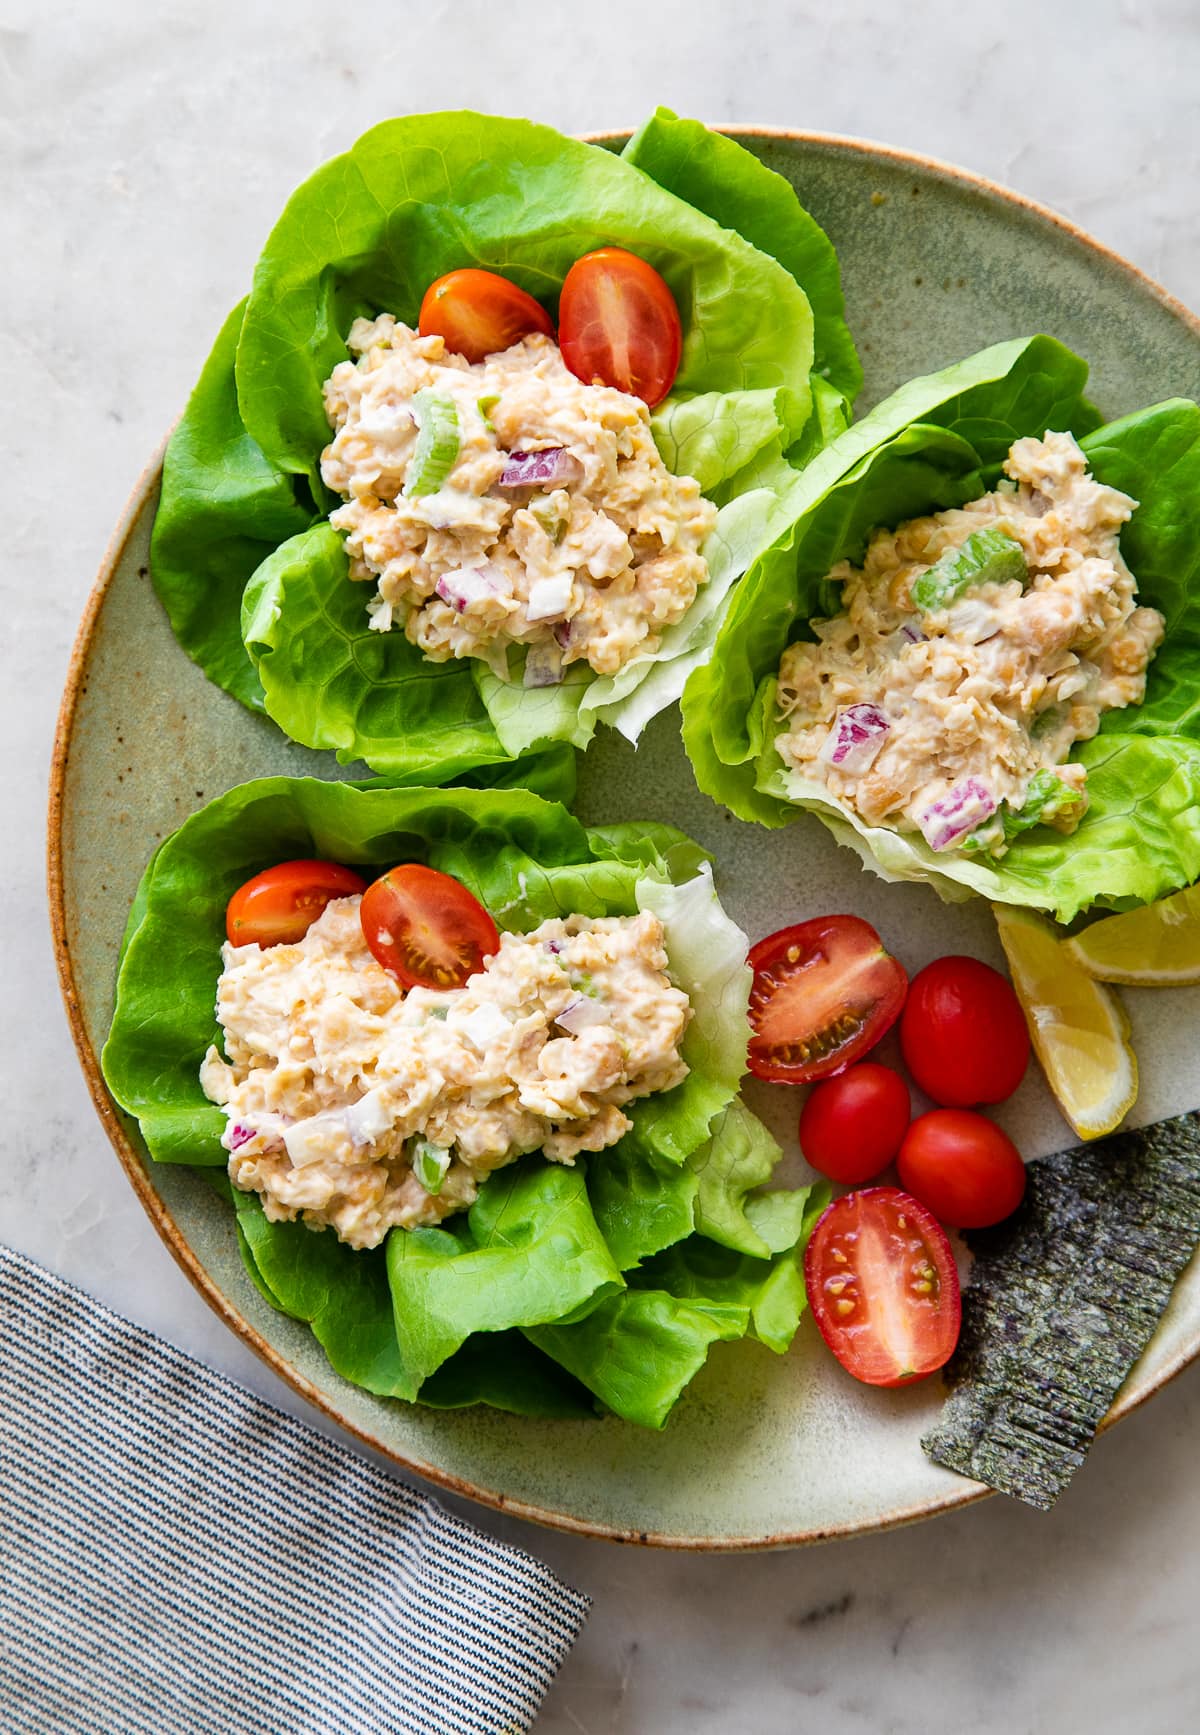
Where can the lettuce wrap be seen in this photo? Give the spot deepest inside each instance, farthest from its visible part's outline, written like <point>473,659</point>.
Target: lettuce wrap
<point>253,577</point>
<point>560,1288</point>
<point>936,443</point>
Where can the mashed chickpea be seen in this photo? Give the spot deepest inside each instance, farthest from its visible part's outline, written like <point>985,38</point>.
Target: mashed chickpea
<point>973,650</point>
<point>554,526</point>
<point>355,1105</point>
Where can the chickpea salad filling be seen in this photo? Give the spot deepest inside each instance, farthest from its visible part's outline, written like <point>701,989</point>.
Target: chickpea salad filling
<point>355,1104</point>
<point>974,649</point>
<point>507,503</point>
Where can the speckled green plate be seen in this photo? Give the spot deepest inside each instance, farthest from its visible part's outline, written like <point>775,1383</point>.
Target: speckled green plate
<point>763,1450</point>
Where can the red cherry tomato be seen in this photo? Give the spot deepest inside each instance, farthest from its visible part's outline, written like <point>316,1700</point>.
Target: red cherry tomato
<point>883,1286</point>
<point>425,928</point>
<point>824,993</point>
<point>618,324</point>
<point>851,1126</point>
<point>963,1033</point>
<point>479,313</point>
<point>279,906</point>
<point>963,1167</point>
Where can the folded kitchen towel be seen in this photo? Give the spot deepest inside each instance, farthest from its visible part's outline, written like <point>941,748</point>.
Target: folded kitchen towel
<point>180,1558</point>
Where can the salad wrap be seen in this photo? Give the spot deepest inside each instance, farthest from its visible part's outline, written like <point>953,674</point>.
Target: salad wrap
<point>253,576</point>
<point>561,1287</point>
<point>937,443</point>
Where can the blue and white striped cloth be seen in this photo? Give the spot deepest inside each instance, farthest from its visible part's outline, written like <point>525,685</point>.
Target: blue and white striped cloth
<point>177,1557</point>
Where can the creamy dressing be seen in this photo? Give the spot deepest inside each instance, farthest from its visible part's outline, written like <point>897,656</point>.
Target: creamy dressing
<point>588,564</point>
<point>342,1091</point>
<point>951,720</point>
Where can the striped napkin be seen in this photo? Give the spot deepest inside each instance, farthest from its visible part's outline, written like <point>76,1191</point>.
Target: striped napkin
<point>180,1558</point>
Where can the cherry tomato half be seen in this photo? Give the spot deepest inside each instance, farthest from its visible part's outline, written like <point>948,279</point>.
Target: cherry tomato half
<point>279,906</point>
<point>883,1286</point>
<point>963,1167</point>
<point>618,324</point>
<point>963,1033</point>
<point>479,313</point>
<point>851,1126</point>
<point>425,928</point>
<point>824,993</point>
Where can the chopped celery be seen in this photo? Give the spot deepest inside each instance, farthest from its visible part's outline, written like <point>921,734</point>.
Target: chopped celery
<point>553,523</point>
<point>437,443</point>
<point>986,557</point>
<point>430,1163</point>
<point>1047,721</point>
<point>1047,798</point>
<point>485,406</point>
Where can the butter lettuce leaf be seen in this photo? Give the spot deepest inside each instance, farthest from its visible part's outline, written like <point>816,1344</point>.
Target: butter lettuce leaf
<point>435,1315</point>
<point>330,682</point>
<point>638,1349</point>
<point>730,184</point>
<point>224,507</point>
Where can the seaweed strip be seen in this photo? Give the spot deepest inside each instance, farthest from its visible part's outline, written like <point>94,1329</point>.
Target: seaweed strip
<point>1063,1298</point>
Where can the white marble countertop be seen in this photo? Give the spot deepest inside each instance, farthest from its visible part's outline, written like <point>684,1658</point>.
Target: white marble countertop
<point>145,151</point>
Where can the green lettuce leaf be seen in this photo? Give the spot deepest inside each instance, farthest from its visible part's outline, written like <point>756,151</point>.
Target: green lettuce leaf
<point>638,1349</point>
<point>644,1203</point>
<point>934,444</point>
<point>528,1251</point>
<point>729,183</point>
<point>707,954</point>
<point>223,509</point>
<point>346,1299</point>
<point>329,682</point>
<point>543,1244</point>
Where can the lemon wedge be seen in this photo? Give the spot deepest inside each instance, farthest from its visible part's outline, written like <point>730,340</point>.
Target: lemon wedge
<point>1079,1028</point>
<point>1157,946</point>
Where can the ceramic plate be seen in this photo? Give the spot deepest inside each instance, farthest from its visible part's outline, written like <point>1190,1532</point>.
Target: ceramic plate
<point>764,1450</point>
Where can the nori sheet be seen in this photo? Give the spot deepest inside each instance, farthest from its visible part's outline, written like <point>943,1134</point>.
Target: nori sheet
<point>1063,1298</point>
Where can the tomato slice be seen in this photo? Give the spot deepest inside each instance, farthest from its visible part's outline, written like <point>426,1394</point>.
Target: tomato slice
<point>618,325</point>
<point>883,1286</point>
<point>279,906</point>
<point>824,993</point>
<point>425,928</point>
<point>478,313</point>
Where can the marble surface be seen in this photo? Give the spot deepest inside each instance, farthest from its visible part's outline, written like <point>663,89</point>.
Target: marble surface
<point>144,153</point>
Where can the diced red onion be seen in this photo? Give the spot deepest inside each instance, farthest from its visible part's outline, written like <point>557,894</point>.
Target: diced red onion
<point>957,812</point>
<point>580,1014</point>
<point>855,737</point>
<point>238,1135</point>
<point>543,666</point>
<point>469,584</point>
<point>550,468</point>
<point>562,633</point>
<point>549,597</point>
<point>907,633</point>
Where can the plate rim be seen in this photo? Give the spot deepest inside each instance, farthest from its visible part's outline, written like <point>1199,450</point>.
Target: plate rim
<point>964,1492</point>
